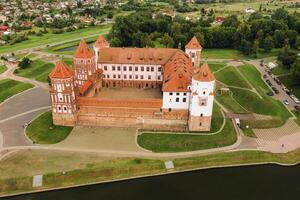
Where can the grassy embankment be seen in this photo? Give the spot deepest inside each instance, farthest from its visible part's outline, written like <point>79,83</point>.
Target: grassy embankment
<point>10,88</point>
<point>2,69</point>
<point>42,130</point>
<point>51,38</point>
<point>168,142</point>
<point>84,168</point>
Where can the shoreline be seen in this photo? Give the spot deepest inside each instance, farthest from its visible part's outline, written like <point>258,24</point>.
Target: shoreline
<point>170,172</point>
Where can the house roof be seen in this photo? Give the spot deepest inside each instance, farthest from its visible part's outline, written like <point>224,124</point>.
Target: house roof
<point>86,86</point>
<point>203,74</point>
<point>136,55</point>
<point>83,51</point>
<point>101,42</point>
<point>61,70</point>
<point>177,73</point>
<point>193,44</point>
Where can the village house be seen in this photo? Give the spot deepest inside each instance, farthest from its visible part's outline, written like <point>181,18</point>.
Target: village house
<point>150,88</point>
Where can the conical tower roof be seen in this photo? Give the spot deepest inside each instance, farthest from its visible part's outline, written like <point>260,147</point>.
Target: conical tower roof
<point>83,51</point>
<point>101,42</point>
<point>61,70</point>
<point>193,44</point>
<point>204,74</point>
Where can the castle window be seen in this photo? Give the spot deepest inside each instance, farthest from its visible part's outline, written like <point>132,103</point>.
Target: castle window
<point>148,69</point>
<point>136,77</point>
<point>65,108</point>
<point>170,109</point>
<point>107,75</point>
<point>184,94</point>
<point>171,93</point>
<point>184,99</point>
<point>149,77</point>
<point>152,69</point>
<point>130,76</point>
<point>158,77</point>
<point>113,68</point>
<point>204,92</point>
<point>119,76</point>
<point>114,76</point>
<point>142,69</point>
<point>159,69</point>
<point>193,55</point>
<point>177,99</point>
<point>177,93</point>
<point>59,108</point>
<point>201,115</point>
<point>136,69</point>
<point>130,68</point>
<point>125,77</point>
<point>200,124</point>
<point>119,68</point>
<point>124,68</point>
<point>105,67</point>
<point>142,77</point>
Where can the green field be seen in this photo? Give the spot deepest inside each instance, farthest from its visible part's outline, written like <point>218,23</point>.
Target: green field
<point>51,38</point>
<point>280,70</point>
<point>38,70</point>
<point>215,66</point>
<point>42,130</point>
<point>221,54</point>
<point>231,77</point>
<point>230,103</point>
<point>10,88</point>
<point>157,142</point>
<point>2,69</point>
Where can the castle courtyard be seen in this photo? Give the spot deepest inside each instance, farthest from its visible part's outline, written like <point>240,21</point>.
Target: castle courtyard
<point>129,93</point>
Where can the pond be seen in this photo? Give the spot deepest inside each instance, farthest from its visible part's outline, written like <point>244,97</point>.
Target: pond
<point>243,183</point>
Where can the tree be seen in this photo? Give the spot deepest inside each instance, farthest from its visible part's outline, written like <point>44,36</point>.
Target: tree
<point>280,14</point>
<point>268,44</point>
<point>167,41</point>
<point>296,69</point>
<point>231,21</point>
<point>110,15</point>
<point>255,48</point>
<point>246,47</point>
<point>25,62</point>
<point>279,38</point>
<point>287,56</point>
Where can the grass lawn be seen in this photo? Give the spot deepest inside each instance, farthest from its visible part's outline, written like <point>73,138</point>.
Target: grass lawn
<point>39,130</point>
<point>217,119</point>
<point>291,83</point>
<point>178,143</point>
<point>49,38</point>
<point>247,131</point>
<point>38,70</point>
<point>216,66</point>
<point>297,114</point>
<point>2,69</point>
<point>68,61</point>
<point>221,54</point>
<point>230,103</point>
<point>10,88</point>
<point>231,77</point>
<point>254,77</point>
<point>280,70</point>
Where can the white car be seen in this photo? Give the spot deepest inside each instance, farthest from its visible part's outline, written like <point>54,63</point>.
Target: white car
<point>286,102</point>
<point>296,100</point>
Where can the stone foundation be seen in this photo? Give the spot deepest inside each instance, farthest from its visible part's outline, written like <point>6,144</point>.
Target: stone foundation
<point>64,119</point>
<point>199,123</point>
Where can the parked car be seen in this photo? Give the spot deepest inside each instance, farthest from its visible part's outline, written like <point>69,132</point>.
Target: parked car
<point>269,82</point>
<point>286,102</point>
<point>262,63</point>
<point>270,93</point>
<point>295,99</point>
<point>277,80</point>
<point>265,76</point>
<point>268,71</point>
<point>297,108</point>
<point>275,90</point>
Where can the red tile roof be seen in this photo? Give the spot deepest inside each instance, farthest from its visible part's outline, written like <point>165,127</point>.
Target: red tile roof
<point>86,86</point>
<point>136,55</point>
<point>178,73</point>
<point>61,70</point>
<point>101,42</point>
<point>203,74</point>
<point>83,51</point>
<point>193,44</point>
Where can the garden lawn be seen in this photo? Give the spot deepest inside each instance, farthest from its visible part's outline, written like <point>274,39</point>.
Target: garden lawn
<point>51,38</point>
<point>230,103</point>
<point>42,130</point>
<point>10,88</point>
<point>178,143</point>
<point>216,66</point>
<point>2,69</point>
<point>231,77</point>
<point>221,54</point>
<point>38,70</point>
<point>291,83</point>
<point>254,77</point>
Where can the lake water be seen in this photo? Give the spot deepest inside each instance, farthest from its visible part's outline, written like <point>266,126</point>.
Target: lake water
<point>262,182</point>
<point>73,48</point>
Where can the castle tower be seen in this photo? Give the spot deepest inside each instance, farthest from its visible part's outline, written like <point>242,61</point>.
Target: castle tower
<point>62,95</point>
<point>99,44</point>
<point>84,62</point>
<point>193,49</point>
<point>202,99</point>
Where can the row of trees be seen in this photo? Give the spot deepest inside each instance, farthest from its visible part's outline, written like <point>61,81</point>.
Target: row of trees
<point>140,29</point>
